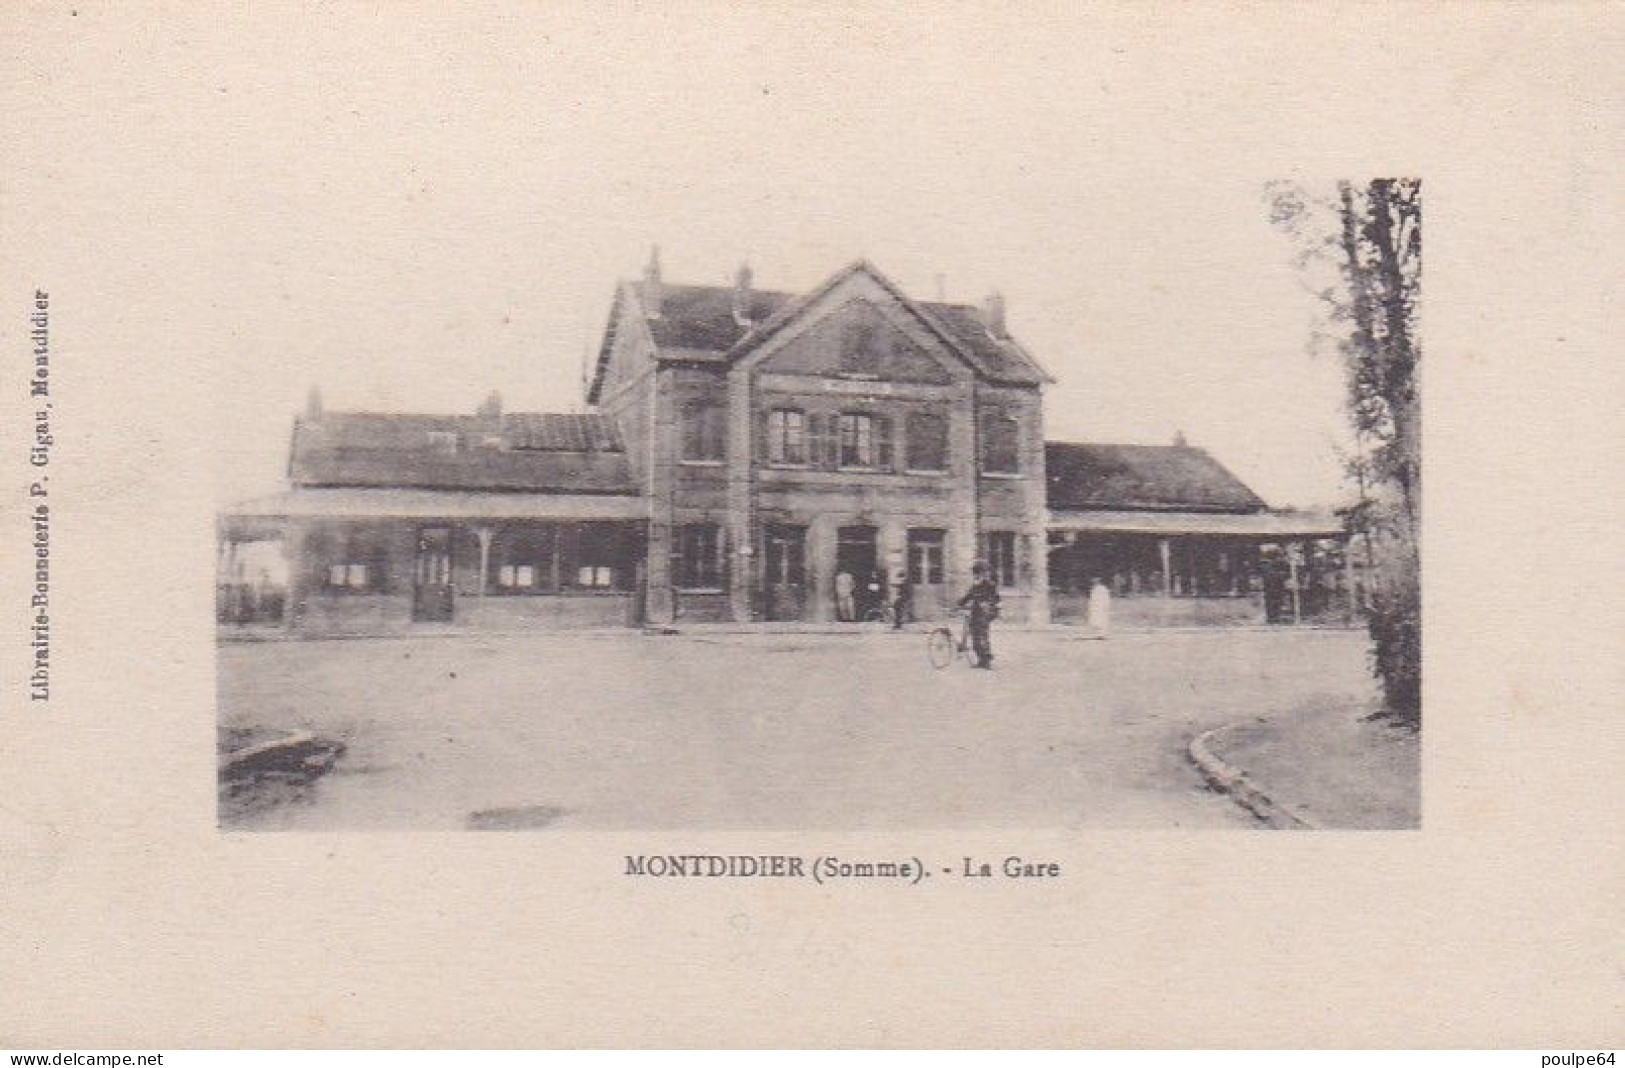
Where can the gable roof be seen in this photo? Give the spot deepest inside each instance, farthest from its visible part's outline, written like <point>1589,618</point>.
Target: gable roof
<point>701,318</point>
<point>697,323</point>
<point>518,451</point>
<point>1002,359</point>
<point>960,326</point>
<point>1143,477</point>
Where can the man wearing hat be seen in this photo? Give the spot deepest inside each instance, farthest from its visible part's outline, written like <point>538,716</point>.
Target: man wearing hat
<point>983,602</point>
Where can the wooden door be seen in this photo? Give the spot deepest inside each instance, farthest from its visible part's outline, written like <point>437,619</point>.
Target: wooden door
<point>431,587</point>
<point>929,593</point>
<point>784,583</point>
<point>855,557</point>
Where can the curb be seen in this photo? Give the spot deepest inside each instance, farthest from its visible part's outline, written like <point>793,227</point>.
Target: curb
<point>298,746</point>
<point>288,741</point>
<point>1231,780</point>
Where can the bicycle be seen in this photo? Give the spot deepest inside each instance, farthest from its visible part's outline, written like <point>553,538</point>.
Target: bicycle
<point>942,645</point>
<point>884,613</point>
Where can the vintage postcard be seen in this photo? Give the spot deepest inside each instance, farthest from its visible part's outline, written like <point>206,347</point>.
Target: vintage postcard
<point>722,525</point>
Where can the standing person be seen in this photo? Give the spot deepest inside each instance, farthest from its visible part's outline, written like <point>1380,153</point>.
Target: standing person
<point>1100,608</point>
<point>899,593</point>
<point>983,602</point>
<point>845,609</point>
<point>1274,591</point>
<point>873,595</point>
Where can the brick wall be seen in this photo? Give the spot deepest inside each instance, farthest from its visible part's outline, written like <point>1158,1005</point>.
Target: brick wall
<point>812,371</point>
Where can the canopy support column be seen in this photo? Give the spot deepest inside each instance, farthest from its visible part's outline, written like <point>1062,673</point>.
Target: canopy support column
<point>1292,551</point>
<point>484,535</point>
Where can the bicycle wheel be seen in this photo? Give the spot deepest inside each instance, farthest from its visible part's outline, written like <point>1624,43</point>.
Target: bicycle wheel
<point>940,647</point>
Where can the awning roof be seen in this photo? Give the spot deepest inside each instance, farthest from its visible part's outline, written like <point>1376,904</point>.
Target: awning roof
<point>1251,525</point>
<point>521,452</point>
<point>361,503</point>
<point>1081,476</point>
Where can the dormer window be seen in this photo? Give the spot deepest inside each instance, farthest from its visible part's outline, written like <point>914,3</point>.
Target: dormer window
<point>442,441</point>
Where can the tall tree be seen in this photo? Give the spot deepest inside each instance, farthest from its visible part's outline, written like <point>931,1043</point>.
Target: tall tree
<point>1362,252</point>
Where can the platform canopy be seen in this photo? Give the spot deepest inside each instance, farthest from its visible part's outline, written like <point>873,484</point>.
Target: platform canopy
<point>1263,525</point>
<point>389,503</point>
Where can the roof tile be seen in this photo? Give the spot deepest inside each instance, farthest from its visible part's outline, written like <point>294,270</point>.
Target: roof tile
<point>699,319</point>
<point>1152,477</point>
<point>546,452</point>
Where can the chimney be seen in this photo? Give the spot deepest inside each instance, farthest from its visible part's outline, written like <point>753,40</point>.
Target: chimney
<point>741,302</point>
<point>654,293</point>
<point>313,405</point>
<point>993,313</point>
<point>1179,440</point>
<point>491,408</point>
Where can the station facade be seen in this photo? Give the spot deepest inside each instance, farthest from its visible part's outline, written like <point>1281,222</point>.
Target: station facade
<point>751,456</point>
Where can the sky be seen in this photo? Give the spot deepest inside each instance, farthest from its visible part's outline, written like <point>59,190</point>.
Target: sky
<point>409,212</point>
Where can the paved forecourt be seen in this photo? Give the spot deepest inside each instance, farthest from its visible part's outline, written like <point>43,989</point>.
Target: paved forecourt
<point>794,731</point>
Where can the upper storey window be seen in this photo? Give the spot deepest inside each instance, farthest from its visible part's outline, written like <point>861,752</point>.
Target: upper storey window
<point>927,442</point>
<point>1000,454</point>
<point>864,441</point>
<point>704,430</point>
<point>857,439</point>
<point>848,441</point>
<point>787,436</point>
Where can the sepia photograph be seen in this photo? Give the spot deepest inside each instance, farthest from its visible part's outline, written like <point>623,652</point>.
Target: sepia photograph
<point>750,568</point>
<point>761,525</point>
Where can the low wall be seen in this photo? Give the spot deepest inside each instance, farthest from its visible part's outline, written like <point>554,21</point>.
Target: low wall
<point>702,607</point>
<point>1164,611</point>
<point>562,610</point>
<point>360,614</point>
<point>1017,607</point>
<point>365,613</point>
